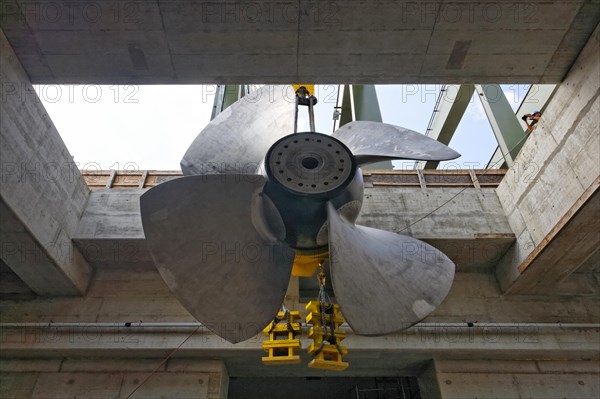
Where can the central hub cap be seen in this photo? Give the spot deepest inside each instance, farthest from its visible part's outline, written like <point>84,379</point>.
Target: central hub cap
<point>310,163</point>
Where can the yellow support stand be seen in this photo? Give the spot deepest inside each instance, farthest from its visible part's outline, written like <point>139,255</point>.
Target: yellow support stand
<point>282,346</point>
<point>326,355</point>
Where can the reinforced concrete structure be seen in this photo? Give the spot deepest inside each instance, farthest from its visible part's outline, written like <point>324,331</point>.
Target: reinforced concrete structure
<point>84,313</point>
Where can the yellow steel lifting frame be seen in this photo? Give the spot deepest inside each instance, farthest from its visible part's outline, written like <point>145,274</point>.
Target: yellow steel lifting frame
<point>283,346</point>
<point>326,355</point>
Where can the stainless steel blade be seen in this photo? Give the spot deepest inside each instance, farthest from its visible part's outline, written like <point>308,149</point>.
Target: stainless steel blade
<point>374,141</point>
<point>200,233</point>
<point>237,140</point>
<point>383,281</point>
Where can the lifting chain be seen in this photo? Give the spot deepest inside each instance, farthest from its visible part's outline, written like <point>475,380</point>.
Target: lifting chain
<point>326,320</point>
<point>326,308</point>
<point>283,343</point>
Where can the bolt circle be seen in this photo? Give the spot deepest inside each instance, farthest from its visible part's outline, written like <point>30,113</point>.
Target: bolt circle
<point>312,163</point>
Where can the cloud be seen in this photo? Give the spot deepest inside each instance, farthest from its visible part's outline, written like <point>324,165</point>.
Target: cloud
<point>475,109</point>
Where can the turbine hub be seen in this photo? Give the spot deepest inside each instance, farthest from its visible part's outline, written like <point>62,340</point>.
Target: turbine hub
<point>310,163</point>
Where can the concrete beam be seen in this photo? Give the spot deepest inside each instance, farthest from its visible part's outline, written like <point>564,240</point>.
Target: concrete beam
<point>31,261</point>
<point>405,353</point>
<point>130,295</point>
<point>554,180</point>
<point>110,233</point>
<point>166,42</point>
<point>42,193</point>
<point>573,240</point>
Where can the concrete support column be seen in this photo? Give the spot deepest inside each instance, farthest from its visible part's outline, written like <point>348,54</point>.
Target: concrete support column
<point>113,378</point>
<point>429,384</point>
<point>550,195</point>
<point>42,193</point>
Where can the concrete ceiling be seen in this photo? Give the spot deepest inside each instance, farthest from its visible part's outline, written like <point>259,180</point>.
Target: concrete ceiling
<point>170,42</point>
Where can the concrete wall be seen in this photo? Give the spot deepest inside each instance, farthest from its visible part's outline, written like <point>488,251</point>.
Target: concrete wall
<point>127,288</point>
<point>113,378</point>
<point>42,193</point>
<point>526,379</point>
<point>133,295</point>
<point>472,230</point>
<point>120,296</point>
<point>558,168</point>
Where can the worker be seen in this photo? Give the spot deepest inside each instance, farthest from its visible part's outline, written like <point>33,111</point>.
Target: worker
<point>531,120</point>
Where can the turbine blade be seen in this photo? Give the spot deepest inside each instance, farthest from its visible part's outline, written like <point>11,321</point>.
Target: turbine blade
<point>375,141</point>
<point>201,235</point>
<point>237,140</point>
<point>383,281</point>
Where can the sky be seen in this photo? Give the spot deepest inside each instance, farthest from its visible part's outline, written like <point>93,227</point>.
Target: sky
<point>151,126</point>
